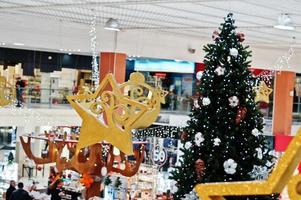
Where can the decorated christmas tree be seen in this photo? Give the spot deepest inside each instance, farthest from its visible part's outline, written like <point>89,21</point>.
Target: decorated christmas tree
<point>223,141</point>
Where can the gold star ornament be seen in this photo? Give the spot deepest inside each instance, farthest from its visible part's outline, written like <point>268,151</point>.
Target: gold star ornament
<point>262,92</point>
<point>114,110</point>
<point>281,176</point>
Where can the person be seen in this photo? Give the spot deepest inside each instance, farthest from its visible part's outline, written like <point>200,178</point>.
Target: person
<point>10,158</point>
<point>9,191</point>
<point>20,193</point>
<point>19,90</point>
<point>33,187</point>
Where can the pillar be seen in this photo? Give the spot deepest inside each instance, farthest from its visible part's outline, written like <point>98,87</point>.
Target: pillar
<point>114,63</point>
<point>283,102</point>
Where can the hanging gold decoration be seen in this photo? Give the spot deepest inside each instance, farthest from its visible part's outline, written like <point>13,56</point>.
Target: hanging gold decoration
<point>136,89</point>
<point>262,92</point>
<point>7,92</point>
<point>110,115</point>
<point>278,179</point>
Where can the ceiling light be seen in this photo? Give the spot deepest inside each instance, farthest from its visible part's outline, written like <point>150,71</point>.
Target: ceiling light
<point>285,27</point>
<point>3,43</point>
<point>18,44</point>
<point>69,54</point>
<point>61,49</point>
<point>284,21</point>
<point>112,25</point>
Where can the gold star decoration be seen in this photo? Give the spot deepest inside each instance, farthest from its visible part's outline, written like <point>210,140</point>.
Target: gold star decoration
<point>281,176</point>
<point>112,112</point>
<point>7,92</point>
<point>263,92</point>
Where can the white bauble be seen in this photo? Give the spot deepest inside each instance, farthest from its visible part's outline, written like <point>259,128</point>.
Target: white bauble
<point>234,52</point>
<point>116,151</point>
<point>206,101</point>
<point>230,166</point>
<point>188,145</point>
<point>199,75</point>
<point>104,171</point>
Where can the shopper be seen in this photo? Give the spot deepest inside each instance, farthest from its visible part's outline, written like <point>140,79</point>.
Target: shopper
<point>9,191</point>
<point>20,193</point>
<point>19,90</point>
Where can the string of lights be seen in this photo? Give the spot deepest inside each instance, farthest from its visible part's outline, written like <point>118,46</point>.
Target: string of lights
<point>158,131</point>
<point>93,46</point>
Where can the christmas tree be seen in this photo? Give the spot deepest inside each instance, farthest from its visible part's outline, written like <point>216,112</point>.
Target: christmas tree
<point>223,140</point>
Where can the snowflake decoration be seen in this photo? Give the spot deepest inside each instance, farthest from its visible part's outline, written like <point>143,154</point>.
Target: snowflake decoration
<point>255,132</point>
<point>259,172</point>
<point>198,139</point>
<point>220,71</point>
<point>233,101</point>
<point>259,153</point>
<point>216,142</point>
<point>230,166</point>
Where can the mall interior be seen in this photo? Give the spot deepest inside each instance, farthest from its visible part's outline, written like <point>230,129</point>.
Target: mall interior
<point>150,99</point>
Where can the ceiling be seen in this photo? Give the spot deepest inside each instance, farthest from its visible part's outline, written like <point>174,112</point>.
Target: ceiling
<point>181,19</point>
<point>193,18</point>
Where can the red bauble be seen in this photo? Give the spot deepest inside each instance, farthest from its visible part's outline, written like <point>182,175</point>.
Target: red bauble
<point>240,36</point>
<point>241,114</point>
<point>183,136</point>
<point>199,168</point>
<point>39,168</point>
<point>215,35</point>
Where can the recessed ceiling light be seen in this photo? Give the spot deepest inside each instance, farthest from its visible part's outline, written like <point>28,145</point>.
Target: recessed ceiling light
<point>61,49</point>
<point>112,25</point>
<point>285,27</point>
<point>49,57</point>
<point>18,44</point>
<point>78,49</point>
<point>69,54</point>
<point>3,43</point>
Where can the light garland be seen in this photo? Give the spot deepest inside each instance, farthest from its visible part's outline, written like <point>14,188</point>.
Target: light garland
<point>93,45</point>
<point>158,131</point>
<point>283,61</point>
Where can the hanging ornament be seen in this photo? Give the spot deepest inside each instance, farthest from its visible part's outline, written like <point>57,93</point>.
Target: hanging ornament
<point>219,71</point>
<point>240,36</point>
<point>259,153</point>
<point>259,172</point>
<point>86,180</point>
<point>233,101</point>
<point>255,132</point>
<point>188,145</point>
<point>199,75</point>
<point>206,101</point>
<point>216,141</point>
<point>183,136</point>
<point>196,104</point>
<point>199,167</point>
<point>241,114</point>
<point>263,92</point>
<point>234,52</point>
<point>198,139</point>
<point>104,171</point>
<point>230,166</point>
<point>215,35</point>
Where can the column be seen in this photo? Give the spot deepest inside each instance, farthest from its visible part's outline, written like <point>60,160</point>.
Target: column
<point>114,63</point>
<point>283,102</point>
